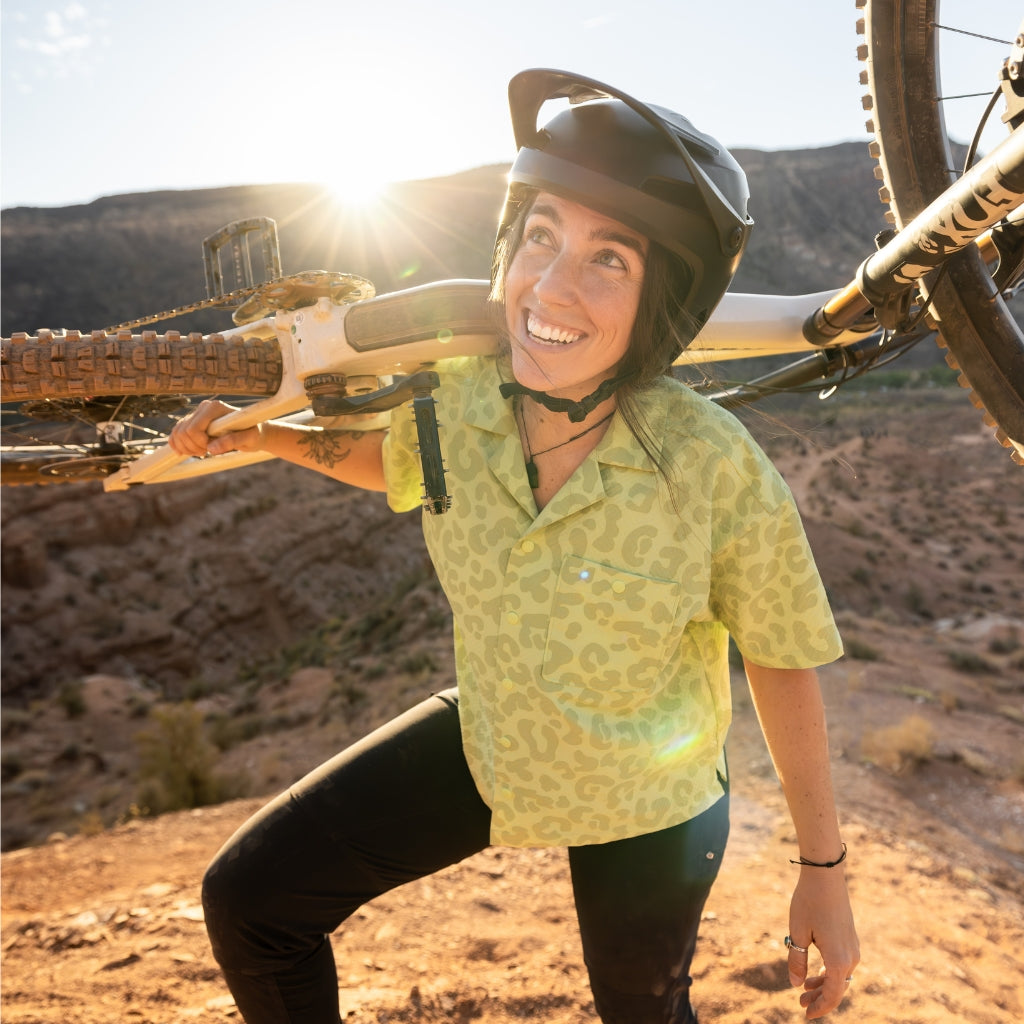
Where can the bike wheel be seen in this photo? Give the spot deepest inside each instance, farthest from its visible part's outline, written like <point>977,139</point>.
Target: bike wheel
<point>983,340</point>
<point>77,407</point>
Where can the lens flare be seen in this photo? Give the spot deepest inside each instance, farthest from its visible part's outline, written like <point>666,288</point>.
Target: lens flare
<point>677,747</point>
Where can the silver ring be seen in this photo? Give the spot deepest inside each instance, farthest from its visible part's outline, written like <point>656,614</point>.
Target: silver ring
<point>792,945</point>
<point>849,979</point>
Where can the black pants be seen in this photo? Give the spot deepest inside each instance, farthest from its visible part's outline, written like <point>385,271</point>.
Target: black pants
<point>401,804</point>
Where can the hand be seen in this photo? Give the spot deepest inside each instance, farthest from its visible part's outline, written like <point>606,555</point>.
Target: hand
<point>191,435</point>
<point>820,915</point>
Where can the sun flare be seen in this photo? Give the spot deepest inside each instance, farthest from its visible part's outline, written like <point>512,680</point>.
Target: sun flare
<point>356,188</point>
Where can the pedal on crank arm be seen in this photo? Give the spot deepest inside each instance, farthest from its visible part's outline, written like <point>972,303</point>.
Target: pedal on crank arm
<point>417,387</point>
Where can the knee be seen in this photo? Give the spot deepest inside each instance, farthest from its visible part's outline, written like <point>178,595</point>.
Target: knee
<point>231,906</point>
<point>221,886</point>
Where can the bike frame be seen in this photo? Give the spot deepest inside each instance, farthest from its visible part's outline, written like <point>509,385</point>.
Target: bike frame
<point>906,288</point>
<point>359,343</point>
<point>332,339</point>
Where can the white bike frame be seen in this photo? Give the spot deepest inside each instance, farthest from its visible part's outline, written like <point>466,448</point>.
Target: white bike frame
<point>313,341</point>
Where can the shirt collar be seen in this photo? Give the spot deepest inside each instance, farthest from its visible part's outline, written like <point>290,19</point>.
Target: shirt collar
<point>488,411</point>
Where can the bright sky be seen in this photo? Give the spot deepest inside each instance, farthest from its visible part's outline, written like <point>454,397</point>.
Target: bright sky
<point>101,97</point>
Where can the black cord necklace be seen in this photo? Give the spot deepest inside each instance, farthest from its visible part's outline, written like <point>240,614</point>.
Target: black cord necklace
<point>532,473</point>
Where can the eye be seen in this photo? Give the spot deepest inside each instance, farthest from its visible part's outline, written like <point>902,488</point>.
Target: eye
<point>610,258</point>
<point>538,235</point>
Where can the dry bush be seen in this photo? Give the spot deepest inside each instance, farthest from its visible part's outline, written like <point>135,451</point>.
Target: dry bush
<point>177,763</point>
<point>900,747</point>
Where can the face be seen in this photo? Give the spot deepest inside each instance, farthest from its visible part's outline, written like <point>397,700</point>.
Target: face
<point>571,296</point>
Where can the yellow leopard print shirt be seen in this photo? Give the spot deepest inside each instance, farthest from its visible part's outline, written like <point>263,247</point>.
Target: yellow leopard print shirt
<point>591,639</point>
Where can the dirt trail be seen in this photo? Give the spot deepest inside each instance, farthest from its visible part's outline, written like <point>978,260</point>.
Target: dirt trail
<point>109,928</point>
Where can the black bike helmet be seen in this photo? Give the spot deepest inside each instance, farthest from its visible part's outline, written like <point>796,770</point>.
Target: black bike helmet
<point>642,165</point>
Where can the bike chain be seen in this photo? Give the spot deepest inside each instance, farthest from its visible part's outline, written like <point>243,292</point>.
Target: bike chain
<point>292,291</point>
<point>238,296</point>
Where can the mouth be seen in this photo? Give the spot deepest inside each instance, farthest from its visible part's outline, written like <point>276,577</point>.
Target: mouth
<point>549,334</point>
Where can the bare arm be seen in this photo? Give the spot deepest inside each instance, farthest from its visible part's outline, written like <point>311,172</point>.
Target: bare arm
<point>792,716</point>
<point>350,456</point>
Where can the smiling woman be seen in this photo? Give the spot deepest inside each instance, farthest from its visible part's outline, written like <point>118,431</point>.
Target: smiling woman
<point>609,530</point>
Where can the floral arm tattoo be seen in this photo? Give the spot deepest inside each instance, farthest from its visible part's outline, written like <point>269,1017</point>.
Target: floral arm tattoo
<point>327,447</point>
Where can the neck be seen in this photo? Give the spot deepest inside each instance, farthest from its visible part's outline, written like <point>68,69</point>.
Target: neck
<point>549,438</point>
<point>576,409</point>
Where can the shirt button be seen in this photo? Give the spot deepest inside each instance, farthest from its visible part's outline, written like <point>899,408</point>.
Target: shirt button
<point>507,685</point>
<point>512,618</point>
<point>528,546</point>
<point>618,586</point>
<point>506,742</point>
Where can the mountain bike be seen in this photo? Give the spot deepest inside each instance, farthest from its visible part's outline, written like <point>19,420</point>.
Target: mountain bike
<point>320,347</point>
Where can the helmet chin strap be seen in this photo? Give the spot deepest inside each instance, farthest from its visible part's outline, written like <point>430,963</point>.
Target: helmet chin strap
<point>577,411</point>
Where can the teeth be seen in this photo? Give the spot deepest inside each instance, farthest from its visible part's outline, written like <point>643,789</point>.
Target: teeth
<point>545,332</point>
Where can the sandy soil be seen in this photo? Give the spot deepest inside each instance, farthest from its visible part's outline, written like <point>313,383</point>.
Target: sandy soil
<point>105,928</point>
<point>920,535</point>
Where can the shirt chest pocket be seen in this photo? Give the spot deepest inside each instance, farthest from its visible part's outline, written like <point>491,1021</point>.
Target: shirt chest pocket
<point>610,633</point>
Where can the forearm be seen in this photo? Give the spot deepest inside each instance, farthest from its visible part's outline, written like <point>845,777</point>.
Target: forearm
<point>352,457</point>
<point>792,716</point>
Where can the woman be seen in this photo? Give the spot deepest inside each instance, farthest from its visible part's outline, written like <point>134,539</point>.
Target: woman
<point>609,531</point>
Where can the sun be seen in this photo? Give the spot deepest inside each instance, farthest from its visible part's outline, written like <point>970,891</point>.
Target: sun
<point>356,188</point>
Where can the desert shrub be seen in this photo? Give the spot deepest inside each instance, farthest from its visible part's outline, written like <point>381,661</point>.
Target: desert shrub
<point>861,574</point>
<point>71,699</point>
<point>900,747</point>
<point>90,824</point>
<point>419,663</point>
<point>968,661</point>
<point>1006,642</point>
<point>228,731</point>
<point>917,601</point>
<point>177,768</point>
<point>860,650</point>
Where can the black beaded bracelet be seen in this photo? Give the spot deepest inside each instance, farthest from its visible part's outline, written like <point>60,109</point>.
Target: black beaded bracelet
<point>804,862</point>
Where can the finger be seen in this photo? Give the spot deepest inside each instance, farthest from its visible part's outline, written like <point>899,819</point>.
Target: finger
<point>824,996</point>
<point>187,439</point>
<point>797,963</point>
<point>190,435</point>
<point>206,412</point>
<point>231,442</point>
<point>182,442</point>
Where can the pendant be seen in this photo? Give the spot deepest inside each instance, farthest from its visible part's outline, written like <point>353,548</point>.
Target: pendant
<point>532,475</point>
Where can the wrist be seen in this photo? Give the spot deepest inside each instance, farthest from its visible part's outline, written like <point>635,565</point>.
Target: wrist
<point>811,862</point>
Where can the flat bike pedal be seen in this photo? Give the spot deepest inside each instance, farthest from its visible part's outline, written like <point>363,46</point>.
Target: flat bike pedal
<point>327,398</point>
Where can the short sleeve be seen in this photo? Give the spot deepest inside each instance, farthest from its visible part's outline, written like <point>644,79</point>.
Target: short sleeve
<point>766,590</point>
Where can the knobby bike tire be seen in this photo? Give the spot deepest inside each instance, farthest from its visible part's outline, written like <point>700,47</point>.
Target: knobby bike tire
<point>983,340</point>
<point>72,365</point>
<point>63,367</point>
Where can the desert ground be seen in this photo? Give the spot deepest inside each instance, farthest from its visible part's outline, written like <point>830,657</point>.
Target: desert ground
<point>917,519</point>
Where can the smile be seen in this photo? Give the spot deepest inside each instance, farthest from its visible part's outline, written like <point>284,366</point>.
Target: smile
<point>548,333</point>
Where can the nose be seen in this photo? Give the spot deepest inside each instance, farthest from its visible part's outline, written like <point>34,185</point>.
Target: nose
<point>557,282</point>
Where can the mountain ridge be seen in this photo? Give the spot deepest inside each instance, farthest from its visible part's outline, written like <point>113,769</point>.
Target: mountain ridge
<point>120,257</point>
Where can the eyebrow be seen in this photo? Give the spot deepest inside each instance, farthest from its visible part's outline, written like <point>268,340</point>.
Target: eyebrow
<point>632,242</point>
